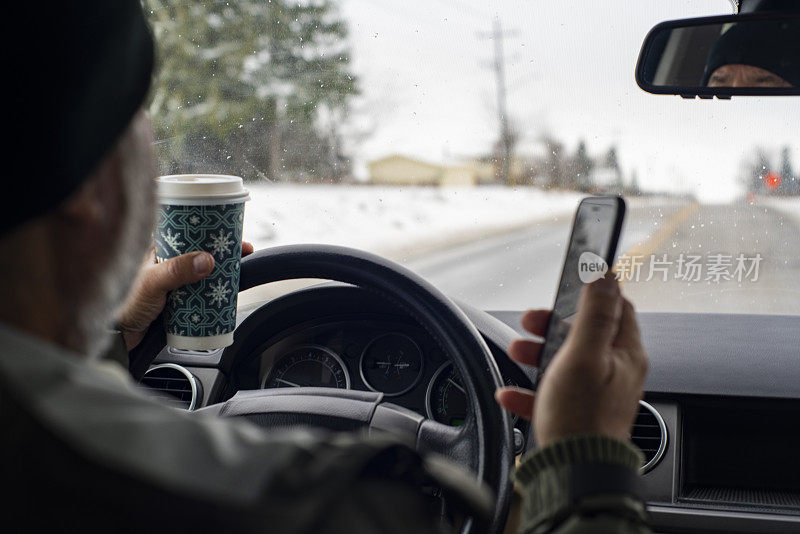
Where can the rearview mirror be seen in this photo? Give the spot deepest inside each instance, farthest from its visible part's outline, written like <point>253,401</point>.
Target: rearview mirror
<point>755,54</point>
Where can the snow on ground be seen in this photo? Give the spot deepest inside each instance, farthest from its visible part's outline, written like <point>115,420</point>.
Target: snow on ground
<point>393,221</point>
<point>789,206</point>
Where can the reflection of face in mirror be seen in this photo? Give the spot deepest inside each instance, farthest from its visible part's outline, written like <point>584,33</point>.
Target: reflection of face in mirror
<point>755,54</point>
<point>742,54</point>
<point>745,76</point>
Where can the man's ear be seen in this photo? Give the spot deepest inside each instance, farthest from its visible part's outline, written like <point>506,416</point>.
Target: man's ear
<point>83,206</point>
<point>97,204</point>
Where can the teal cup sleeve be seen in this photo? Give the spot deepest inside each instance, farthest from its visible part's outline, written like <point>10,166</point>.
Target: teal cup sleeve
<point>202,315</point>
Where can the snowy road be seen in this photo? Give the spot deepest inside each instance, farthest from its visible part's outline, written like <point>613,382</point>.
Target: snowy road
<point>520,270</point>
<point>729,233</point>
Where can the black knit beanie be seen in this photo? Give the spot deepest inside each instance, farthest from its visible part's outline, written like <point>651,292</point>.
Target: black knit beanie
<point>77,72</point>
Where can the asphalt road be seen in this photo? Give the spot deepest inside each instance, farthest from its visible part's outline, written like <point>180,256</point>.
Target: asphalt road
<point>738,230</point>
<point>719,270</point>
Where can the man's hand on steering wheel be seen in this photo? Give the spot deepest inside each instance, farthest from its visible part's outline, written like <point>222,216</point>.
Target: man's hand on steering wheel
<point>595,380</point>
<point>149,292</point>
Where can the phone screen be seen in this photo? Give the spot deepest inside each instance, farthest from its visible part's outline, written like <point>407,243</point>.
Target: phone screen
<point>596,231</point>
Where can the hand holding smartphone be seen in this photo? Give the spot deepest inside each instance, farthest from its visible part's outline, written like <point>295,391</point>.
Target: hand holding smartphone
<point>592,248</point>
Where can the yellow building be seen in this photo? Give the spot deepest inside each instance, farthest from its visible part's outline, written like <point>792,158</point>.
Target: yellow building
<point>402,170</point>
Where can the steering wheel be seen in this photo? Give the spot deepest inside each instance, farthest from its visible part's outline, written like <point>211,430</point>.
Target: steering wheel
<point>483,443</point>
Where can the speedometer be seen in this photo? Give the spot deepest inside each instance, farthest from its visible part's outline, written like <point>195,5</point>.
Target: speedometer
<point>308,366</point>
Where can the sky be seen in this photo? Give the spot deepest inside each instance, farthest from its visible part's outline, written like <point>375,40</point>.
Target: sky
<point>428,89</point>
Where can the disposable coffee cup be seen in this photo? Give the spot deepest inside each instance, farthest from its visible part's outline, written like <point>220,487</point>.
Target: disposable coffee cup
<point>202,212</point>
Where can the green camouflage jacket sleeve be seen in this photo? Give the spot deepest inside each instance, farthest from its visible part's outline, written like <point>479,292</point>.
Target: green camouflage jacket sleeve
<point>544,478</point>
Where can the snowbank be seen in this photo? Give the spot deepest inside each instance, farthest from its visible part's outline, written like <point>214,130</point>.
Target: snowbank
<point>393,221</point>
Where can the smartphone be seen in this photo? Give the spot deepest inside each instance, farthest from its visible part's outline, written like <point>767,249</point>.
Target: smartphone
<point>593,240</point>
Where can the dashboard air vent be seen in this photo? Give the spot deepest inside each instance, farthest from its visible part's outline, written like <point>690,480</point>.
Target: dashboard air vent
<point>174,384</point>
<point>650,435</point>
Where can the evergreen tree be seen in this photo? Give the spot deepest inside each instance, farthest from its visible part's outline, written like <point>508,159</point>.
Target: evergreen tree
<point>612,162</point>
<point>555,168</point>
<point>634,188</point>
<point>789,181</point>
<point>230,74</point>
<point>759,170</point>
<point>582,166</point>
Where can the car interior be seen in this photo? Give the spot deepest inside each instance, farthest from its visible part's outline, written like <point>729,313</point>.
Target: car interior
<point>374,345</point>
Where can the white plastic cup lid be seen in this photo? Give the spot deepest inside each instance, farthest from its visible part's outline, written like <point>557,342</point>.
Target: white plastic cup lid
<point>208,187</point>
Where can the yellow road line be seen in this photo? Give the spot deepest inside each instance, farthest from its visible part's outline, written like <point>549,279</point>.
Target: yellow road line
<point>652,244</point>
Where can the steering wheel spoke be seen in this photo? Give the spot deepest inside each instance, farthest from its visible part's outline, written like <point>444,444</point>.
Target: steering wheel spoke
<point>348,409</point>
<point>456,443</point>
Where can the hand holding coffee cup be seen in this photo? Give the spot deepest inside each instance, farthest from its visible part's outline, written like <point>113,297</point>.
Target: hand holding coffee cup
<point>202,212</point>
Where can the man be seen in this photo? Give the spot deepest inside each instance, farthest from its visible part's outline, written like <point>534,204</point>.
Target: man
<point>83,449</point>
<point>755,54</point>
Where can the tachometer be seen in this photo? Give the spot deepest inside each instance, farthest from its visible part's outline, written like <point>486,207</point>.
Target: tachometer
<point>391,364</point>
<point>308,366</point>
<point>446,398</point>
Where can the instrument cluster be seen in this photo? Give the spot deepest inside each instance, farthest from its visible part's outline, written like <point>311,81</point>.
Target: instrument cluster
<point>398,359</point>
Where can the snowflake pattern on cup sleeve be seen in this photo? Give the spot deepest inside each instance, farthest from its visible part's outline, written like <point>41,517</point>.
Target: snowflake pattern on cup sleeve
<point>220,243</point>
<point>176,296</point>
<point>207,307</point>
<point>172,241</point>
<point>219,293</point>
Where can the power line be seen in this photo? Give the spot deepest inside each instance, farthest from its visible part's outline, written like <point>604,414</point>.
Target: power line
<point>464,8</point>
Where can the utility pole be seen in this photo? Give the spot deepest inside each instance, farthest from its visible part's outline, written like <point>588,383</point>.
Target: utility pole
<point>498,65</point>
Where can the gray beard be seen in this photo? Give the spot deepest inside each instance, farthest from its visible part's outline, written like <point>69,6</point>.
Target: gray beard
<point>95,319</point>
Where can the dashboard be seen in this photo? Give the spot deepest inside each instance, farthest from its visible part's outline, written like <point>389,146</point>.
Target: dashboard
<point>723,392</point>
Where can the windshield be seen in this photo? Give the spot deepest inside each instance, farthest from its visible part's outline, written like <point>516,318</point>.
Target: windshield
<point>457,137</point>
